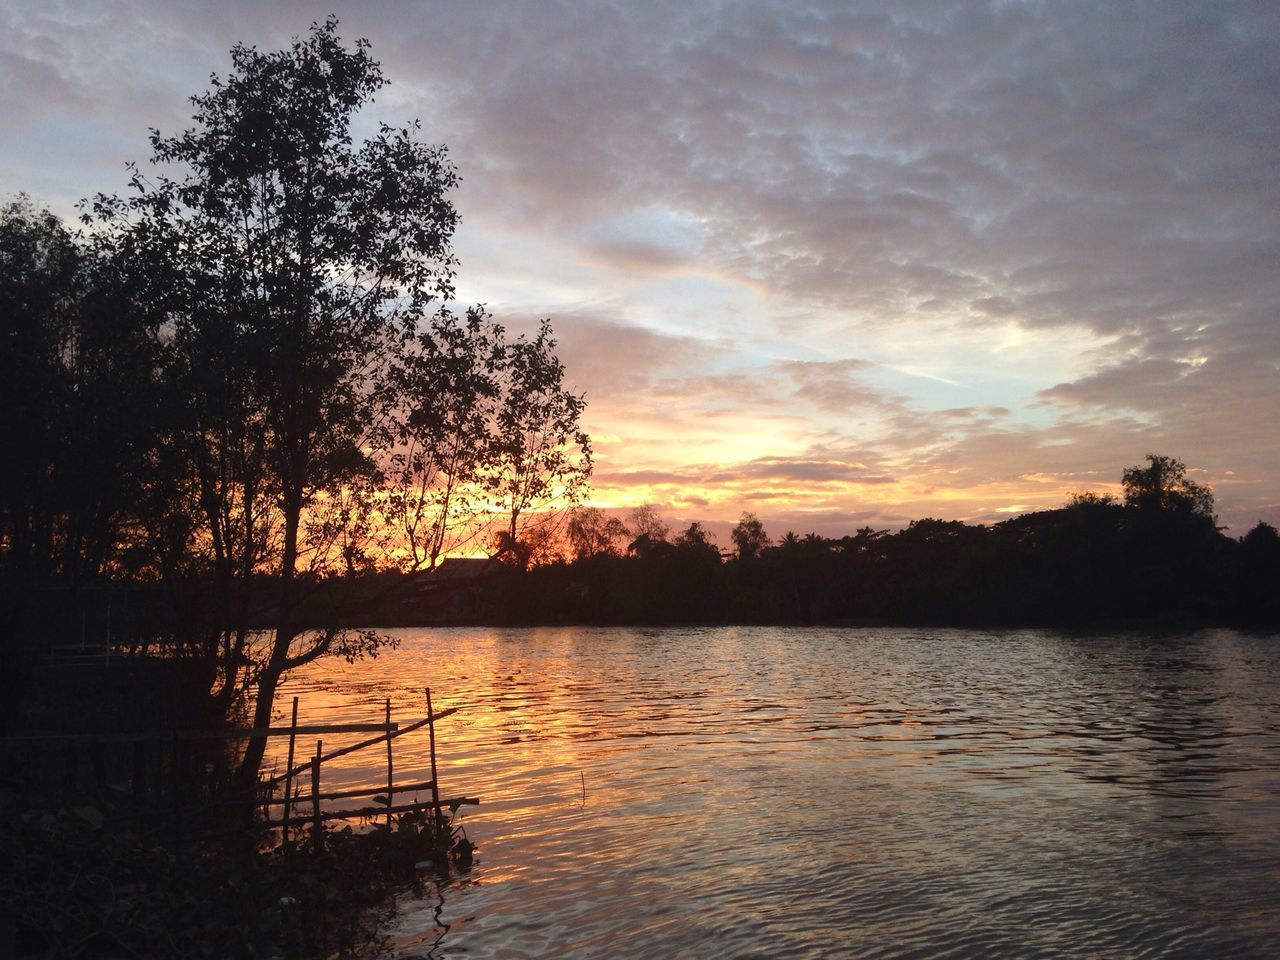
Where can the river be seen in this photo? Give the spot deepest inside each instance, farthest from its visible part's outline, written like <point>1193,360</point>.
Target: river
<point>780,792</point>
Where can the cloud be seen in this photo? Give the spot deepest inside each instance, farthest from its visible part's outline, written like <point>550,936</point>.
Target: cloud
<point>960,244</point>
<point>801,469</point>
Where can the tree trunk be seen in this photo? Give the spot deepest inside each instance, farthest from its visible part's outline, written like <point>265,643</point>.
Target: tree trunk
<point>269,679</point>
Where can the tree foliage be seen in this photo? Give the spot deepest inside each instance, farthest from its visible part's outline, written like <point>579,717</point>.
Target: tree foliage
<point>1163,485</point>
<point>749,537</point>
<point>592,533</point>
<point>77,387</point>
<point>295,398</point>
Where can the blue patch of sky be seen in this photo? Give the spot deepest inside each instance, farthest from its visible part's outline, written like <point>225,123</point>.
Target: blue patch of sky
<point>51,162</point>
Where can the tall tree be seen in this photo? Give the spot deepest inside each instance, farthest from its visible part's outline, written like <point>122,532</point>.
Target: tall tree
<point>41,290</point>
<point>295,267</point>
<point>75,386</point>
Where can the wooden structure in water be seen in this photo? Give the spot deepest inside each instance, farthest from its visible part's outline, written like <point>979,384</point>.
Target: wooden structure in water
<point>383,796</point>
<point>150,779</point>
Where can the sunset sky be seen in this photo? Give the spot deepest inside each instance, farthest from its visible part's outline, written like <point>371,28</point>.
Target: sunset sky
<point>839,265</point>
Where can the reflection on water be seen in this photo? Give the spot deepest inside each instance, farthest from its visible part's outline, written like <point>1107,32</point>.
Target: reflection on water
<point>814,793</point>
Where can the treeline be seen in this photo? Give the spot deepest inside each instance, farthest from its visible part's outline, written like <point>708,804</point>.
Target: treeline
<point>1155,555</point>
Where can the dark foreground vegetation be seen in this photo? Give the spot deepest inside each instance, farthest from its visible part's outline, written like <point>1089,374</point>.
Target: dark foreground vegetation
<point>76,888</point>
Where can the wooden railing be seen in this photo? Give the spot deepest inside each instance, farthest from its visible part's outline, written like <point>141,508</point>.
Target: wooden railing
<point>384,796</point>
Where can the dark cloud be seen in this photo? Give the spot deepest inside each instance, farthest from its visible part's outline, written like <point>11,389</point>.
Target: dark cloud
<point>995,306</point>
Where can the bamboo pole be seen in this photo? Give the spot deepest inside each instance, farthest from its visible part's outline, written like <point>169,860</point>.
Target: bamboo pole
<point>398,731</point>
<point>435,779</point>
<point>352,794</point>
<point>390,780</point>
<point>288,782</point>
<point>317,828</point>
<point>451,803</point>
<point>177,797</point>
<point>229,734</point>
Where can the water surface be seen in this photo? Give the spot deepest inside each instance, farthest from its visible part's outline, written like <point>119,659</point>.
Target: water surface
<point>769,792</point>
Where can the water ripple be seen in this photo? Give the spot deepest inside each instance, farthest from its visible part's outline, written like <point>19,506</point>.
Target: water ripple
<point>841,793</point>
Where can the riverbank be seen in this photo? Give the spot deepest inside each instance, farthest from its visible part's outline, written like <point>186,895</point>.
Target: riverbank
<point>74,886</point>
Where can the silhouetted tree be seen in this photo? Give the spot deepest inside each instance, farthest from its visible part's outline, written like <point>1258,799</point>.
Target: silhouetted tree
<point>749,537</point>
<point>1163,485</point>
<point>539,455</point>
<point>76,387</point>
<point>1258,580</point>
<point>322,407</point>
<point>593,533</point>
<point>1175,562</point>
<point>696,540</point>
<point>645,522</point>
<point>42,283</point>
<point>293,269</point>
<point>1087,498</point>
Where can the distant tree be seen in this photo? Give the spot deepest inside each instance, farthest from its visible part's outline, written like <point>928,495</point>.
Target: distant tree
<point>1087,498</point>
<point>1264,538</point>
<point>593,533</point>
<point>1176,561</point>
<point>696,540</point>
<point>1258,579</point>
<point>749,537</point>
<point>1163,485</point>
<point>540,545</point>
<point>861,543</point>
<point>645,522</point>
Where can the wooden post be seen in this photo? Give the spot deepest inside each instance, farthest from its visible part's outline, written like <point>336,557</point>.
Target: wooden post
<point>435,780</point>
<point>390,795</point>
<point>317,829</point>
<point>288,780</point>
